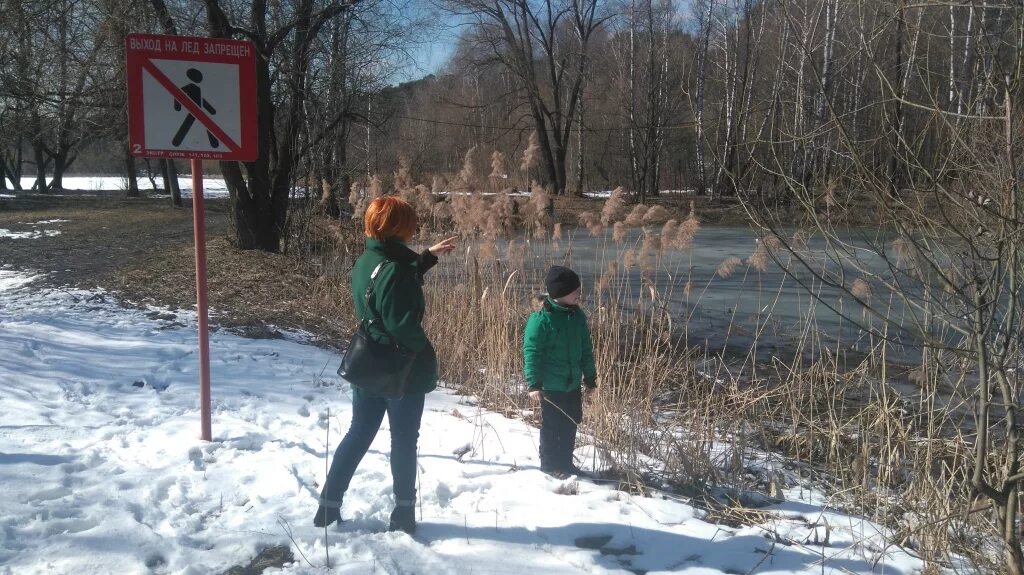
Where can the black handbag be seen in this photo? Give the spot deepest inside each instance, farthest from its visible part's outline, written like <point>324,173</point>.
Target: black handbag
<point>377,368</point>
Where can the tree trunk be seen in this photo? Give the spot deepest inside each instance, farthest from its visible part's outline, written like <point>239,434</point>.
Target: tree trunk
<point>547,152</point>
<point>15,166</point>
<point>815,171</point>
<point>579,151</point>
<point>702,61</point>
<point>38,152</point>
<point>60,164</point>
<point>894,170</point>
<point>334,156</point>
<point>724,179</point>
<point>341,182</point>
<point>661,116</point>
<point>634,172</point>
<point>169,172</point>
<point>964,86</point>
<point>560,168</point>
<point>130,173</point>
<point>62,160</point>
<point>252,212</point>
<point>40,157</point>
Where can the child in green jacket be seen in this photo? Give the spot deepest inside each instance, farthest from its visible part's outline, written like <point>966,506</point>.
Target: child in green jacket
<point>558,357</point>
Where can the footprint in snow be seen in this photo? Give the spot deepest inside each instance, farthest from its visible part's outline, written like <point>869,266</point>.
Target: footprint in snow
<point>195,455</point>
<point>444,494</point>
<point>69,526</point>
<point>76,467</point>
<point>49,494</point>
<point>28,349</point>
<point>247,442</point>
<point>162,489</point>
<point>155,561</point>
<point>64,512</point>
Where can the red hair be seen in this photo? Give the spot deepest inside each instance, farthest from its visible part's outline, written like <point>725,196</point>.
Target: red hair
<point>390,217</point>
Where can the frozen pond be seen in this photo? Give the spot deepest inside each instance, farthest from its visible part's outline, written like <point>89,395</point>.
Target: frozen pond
<point>769,308</point>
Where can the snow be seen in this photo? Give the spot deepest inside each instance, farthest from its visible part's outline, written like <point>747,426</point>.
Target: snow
<point>44,222</point>
<point>604,194</point>
<point>103,471</point>
<point>32,234</point>
<point>517,194</point>
<point>213,187</point>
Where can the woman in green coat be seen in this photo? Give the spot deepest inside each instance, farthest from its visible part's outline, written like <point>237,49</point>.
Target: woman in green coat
<point>397,298</point>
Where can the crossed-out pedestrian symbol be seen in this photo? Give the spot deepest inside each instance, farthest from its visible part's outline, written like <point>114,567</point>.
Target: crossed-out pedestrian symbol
<point>193,91</point>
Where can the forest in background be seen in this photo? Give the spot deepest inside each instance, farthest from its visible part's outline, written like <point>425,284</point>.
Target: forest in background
<point>772,100</point>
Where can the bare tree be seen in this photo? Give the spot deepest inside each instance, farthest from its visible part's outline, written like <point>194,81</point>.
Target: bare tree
<point>953,261</point>
<point>360,51</point>
<point>260,201</point>
<point>705,23</point>
<point>648,72</point>
<point>545,46</point>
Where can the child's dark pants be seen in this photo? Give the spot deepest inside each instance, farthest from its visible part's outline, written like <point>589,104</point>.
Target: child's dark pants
<point>561,411</point>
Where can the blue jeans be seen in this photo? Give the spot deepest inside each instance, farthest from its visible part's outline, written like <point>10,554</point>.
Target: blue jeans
<point>404,416</point>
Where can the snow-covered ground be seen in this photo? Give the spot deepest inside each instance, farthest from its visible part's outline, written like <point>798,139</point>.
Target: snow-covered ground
<point>608,193</point>
<point>35,232</point>
<point>103,472</point>
<point>213,187</point>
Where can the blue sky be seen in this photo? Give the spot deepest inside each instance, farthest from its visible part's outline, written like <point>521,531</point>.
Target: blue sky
<point>432,57</point>
<point>435,34</point>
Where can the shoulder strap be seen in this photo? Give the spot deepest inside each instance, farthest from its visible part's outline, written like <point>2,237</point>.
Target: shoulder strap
<point>369,302</point>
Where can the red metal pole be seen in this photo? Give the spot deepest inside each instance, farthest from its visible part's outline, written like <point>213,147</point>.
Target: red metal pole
<point>199,222</point>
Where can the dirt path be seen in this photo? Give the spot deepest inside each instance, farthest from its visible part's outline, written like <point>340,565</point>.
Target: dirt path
<point>103,235</point>
<point>143,250</point>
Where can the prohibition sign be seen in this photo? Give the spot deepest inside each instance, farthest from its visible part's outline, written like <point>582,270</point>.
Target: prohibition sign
<point>191,97</point>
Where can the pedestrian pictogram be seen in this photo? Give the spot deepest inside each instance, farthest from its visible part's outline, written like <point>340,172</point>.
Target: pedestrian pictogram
<point>194,92</point>
<point>191,97</point>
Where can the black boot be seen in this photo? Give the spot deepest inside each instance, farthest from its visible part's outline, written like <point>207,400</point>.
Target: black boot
<point>326,515</point>
<point>403,518</point>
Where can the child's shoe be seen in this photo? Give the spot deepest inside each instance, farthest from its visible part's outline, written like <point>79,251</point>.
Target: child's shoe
<point>556,473</point>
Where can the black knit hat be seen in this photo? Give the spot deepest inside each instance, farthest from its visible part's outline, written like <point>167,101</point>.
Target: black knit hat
<point>561,281</point>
